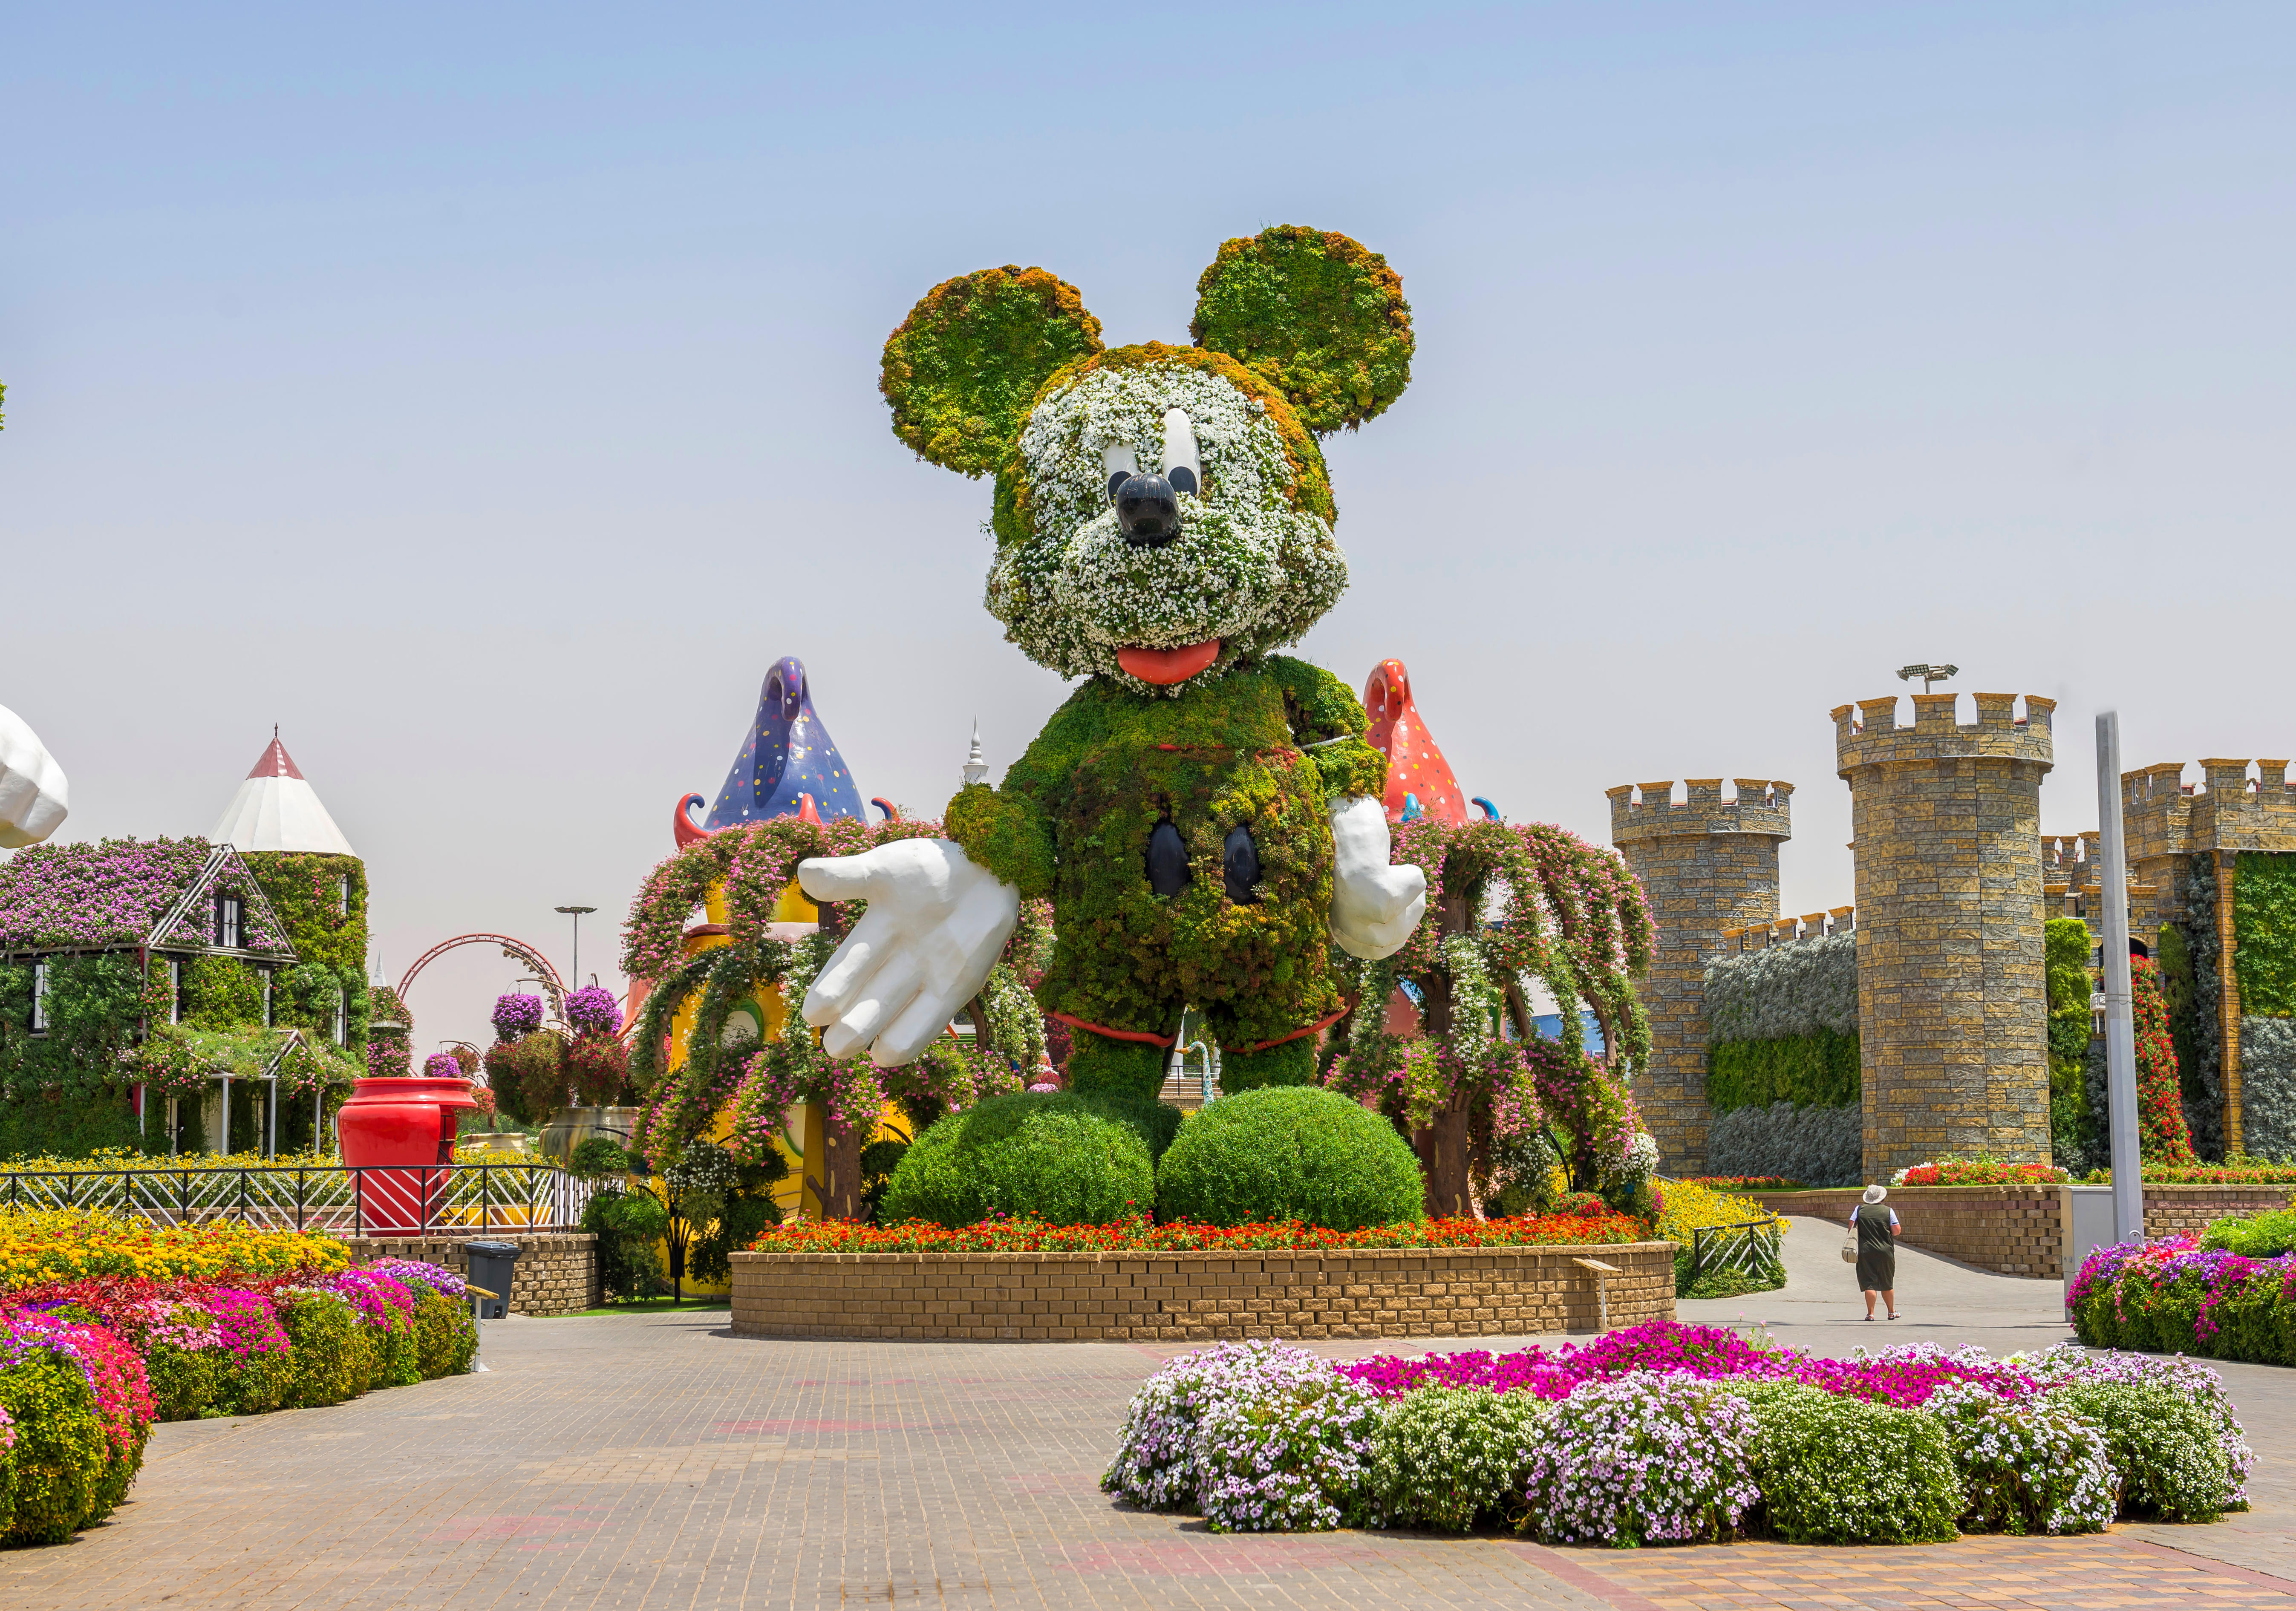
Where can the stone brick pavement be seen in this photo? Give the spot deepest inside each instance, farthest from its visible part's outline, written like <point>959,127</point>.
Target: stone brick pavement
<point>660,1462</point>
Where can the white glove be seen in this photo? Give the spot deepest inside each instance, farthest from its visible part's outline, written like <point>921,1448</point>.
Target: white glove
<point>1374,905</point>
<point>935,923</point>
<point>33,796</point>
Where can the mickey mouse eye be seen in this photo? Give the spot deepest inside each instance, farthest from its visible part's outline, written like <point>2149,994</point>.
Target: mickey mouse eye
<point>1120,466</point>
<point>1181,461</point>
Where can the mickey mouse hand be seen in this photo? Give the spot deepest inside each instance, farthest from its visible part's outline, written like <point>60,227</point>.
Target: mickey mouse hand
<point>935,924</point>
<point>1374,905</point>
<point>33,797</point>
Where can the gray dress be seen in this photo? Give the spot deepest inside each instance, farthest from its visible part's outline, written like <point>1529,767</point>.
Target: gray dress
<point>1877,1251</point>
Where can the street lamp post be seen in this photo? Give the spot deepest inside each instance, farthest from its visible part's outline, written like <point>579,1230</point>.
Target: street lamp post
<point>576,912</point>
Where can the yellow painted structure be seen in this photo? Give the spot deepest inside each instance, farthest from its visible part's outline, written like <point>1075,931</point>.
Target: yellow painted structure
<point>804,1142</point>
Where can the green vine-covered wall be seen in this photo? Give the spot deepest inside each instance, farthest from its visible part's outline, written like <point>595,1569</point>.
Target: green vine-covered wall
<point>1781,1026</point>
<point>2264,933</point>
<point>2066,948</point>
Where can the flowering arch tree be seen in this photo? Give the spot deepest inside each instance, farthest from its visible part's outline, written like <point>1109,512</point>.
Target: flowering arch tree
<point>1487,1102</point>
<point>686,1090</point>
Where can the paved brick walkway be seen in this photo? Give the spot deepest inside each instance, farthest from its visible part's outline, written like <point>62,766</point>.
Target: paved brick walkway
<point>660,1462</point>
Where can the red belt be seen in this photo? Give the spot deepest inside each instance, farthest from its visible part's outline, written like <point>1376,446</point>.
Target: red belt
<point>1165,1042</point>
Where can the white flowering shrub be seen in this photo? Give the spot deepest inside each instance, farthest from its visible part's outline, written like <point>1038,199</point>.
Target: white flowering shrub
<point>1816,1146</point>
<point>2175,1439</point>
<point>1248,568</point>
<point>1835,1469</point>
<point>2033,1466</point>
<point>1643,1458</point>
<point>1155,1463</point>
<point>1785,990</point>
<point>1286,1457</point>
<point>2267,1087</point>
<point>1448,1457</point>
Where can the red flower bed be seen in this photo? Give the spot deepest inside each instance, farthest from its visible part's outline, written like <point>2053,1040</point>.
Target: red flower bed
<point>1979,1172</point>
<point>1138,1235</point>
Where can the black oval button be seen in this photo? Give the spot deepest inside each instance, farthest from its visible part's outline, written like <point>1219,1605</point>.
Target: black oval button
<point>1168,860</point>
<point>1240,865</point>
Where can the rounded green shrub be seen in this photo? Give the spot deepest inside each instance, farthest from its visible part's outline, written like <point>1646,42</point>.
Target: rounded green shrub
<point>1448,1457</point>
<point>1841,1470</point>
<point>60,1458</point>
<point>329,1357</point>
<point>1060,1158</point>
<point>1289,1152</point>
<point>2166,1449</point>
<point>445,1339</point>
<point>183,1380</point>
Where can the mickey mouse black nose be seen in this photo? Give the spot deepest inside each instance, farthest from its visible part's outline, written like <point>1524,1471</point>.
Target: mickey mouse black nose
<point>1147,510</point>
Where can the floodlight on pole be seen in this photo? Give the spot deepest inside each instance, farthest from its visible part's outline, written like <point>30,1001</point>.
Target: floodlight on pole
<point>577,913</point>
<point>1927,674</point>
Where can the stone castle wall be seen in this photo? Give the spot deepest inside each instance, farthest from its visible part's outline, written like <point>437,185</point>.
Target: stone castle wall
<point>1705,865</point>
<point>1951,1009</point>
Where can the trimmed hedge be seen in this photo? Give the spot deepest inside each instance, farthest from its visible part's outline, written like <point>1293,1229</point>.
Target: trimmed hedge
<point>1840,1470</point>
<point>1818,1069</point>
<point>1290,1152</point>
<point>1051,1156</point>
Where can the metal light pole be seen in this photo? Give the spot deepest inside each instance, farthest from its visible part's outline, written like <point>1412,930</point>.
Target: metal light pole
<point>576,912</point>
<point>2120,1015</point>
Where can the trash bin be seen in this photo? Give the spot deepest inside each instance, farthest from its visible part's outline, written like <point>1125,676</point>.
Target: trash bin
<point>491,1265</point>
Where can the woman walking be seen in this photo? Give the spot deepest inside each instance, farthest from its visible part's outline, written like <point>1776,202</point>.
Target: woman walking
<point>1877,1254</point>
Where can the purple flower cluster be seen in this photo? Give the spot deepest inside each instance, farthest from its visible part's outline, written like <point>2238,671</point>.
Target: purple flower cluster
<point>517,1015</point>
<point>1903,1377</point>
<point>109,893</point>
<point>593,1010</point>
<point>441,1065</point>
<point>441,1279</point>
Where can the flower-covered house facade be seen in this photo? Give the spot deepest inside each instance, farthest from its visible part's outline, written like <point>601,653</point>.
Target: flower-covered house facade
<point>141,981</point>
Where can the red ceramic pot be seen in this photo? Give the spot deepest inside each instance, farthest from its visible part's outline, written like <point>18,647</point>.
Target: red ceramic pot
<point>401,1134</point>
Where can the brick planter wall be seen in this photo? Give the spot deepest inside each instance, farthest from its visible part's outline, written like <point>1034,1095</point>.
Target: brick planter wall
<point>555,1274</point>
<point>1196,1297</point>
<point>2017,1229</point>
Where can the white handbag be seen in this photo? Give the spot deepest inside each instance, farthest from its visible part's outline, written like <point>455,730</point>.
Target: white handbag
<point>1849,1246</point>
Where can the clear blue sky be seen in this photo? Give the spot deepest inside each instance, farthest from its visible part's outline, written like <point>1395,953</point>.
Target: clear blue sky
<point>487,395</point>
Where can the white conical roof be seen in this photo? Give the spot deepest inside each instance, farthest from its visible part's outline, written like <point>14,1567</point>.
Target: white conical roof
<point>275,809</point>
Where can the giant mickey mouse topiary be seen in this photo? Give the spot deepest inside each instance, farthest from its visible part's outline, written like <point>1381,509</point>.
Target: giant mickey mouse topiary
<point>1203,813</point>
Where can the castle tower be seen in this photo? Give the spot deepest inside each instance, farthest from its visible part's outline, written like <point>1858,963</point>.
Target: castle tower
<point>1705,865</point>
<point>1951,1009</point>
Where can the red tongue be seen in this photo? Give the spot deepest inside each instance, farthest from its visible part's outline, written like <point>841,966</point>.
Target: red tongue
<point>1165,666</point>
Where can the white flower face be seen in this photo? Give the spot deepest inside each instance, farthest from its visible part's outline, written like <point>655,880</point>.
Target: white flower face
<point>1247,568</point>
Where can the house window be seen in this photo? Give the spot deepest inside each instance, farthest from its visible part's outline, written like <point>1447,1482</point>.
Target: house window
<point>266,998</point>
<point>228,921</point>
<point>342,1037</point>
<point>343,895</point>
<point>175,991</point>
<point>40,998</point>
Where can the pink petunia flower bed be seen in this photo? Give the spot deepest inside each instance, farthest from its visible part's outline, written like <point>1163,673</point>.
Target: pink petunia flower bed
<point>1666,1433</point>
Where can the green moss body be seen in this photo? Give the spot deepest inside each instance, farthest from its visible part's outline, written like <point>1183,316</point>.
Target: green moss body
<point>1074,818</point>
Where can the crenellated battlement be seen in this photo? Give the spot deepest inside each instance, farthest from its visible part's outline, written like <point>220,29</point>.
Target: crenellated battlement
<point>1760,805</point>
<point>1792,931</point>
<point>2164,816</point>
<point>1869,734</point>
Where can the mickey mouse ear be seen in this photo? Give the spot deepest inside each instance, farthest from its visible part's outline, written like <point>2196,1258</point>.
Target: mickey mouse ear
<point>963,367</point>
<point>1319,315</point>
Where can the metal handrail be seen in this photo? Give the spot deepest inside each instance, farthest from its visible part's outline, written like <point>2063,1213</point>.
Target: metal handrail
<point>1751,1247</point>
<point>400,1200</point>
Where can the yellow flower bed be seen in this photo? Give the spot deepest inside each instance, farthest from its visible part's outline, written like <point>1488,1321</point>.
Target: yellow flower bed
<point>1689,1206</point>
<point>121,1158</point>
<point>61,1244</point>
